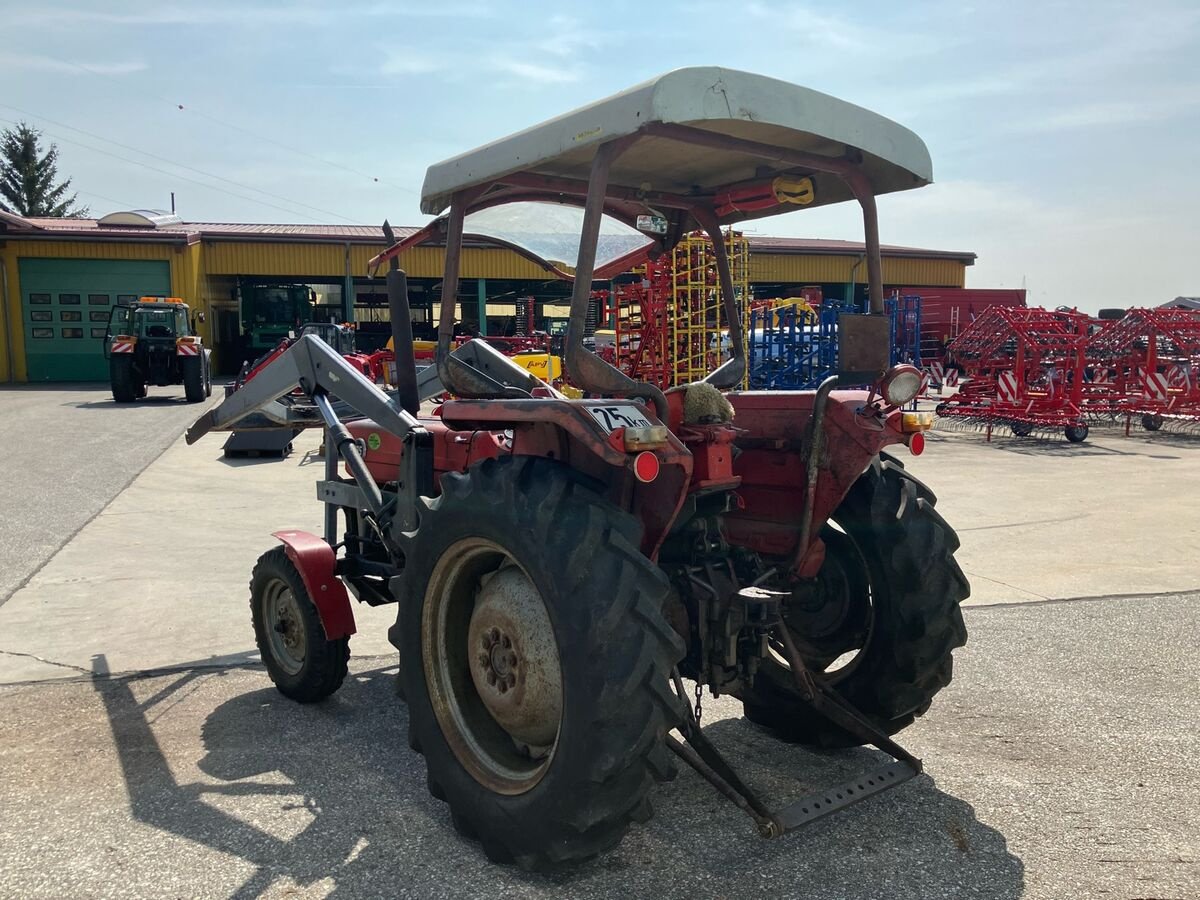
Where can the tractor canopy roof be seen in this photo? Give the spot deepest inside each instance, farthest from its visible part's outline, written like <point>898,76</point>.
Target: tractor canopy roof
<point>678,119</point>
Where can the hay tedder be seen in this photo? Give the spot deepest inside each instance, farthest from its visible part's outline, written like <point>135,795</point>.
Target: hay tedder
<point>1146,366</point>
<point>1025,372</point>
<point>560,566</point>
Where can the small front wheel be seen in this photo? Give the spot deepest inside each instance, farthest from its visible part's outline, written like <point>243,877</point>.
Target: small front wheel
<point>1022,429</point>
<point>1152,422</point>
<point>304,664</point>
<point>1077,434</point>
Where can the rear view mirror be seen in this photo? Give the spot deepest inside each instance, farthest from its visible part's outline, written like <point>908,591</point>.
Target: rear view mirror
<point>199,317</point>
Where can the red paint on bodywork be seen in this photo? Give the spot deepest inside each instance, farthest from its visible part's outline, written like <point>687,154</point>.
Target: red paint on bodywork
<point>314,560</point>
<point>771,464</point>
<point>453,450</point>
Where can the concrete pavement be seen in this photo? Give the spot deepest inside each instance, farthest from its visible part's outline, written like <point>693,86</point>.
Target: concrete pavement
<point>69,449</point>
<point>1059,757</point>
<point>159,577</point>
<point>1059,764</point>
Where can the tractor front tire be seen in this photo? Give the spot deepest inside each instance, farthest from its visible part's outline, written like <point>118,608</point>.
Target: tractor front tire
<point>192,369</point>
<point>207,373</point>
<point>906,553</point>
<point>535,660</point>
<point>124,383</point>
<point>304,664</point>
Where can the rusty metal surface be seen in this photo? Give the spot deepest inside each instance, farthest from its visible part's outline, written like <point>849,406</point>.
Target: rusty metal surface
<point>515,664</point>
<point>475,723</point>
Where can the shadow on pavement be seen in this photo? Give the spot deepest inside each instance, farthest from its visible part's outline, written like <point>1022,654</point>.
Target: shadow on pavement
<point>148,400</point>
<point>370,828</point>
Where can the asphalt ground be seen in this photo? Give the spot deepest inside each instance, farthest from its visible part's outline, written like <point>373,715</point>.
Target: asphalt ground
<point>1060,764</point>
<point>69,450</point>
<point>1057,756</point>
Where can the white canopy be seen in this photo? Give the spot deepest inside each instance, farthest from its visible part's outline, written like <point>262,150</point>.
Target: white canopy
<point>727,102</point>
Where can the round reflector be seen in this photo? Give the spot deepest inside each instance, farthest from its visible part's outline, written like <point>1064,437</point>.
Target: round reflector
<point>645,466</point>
<point>916,443</point>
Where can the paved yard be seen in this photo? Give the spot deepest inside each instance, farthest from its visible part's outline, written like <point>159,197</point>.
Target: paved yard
<point>1059,758</point>
<point>69,450</point>
<point>1060,764</point>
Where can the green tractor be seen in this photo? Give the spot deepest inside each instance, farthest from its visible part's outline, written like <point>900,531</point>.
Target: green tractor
<point>155,342</point>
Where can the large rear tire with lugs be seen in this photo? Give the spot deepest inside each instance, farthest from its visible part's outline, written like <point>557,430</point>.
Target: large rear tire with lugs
<point>894,559</point>
<point>535,659</point>
<point>122,379</point>
<point>192,369</point>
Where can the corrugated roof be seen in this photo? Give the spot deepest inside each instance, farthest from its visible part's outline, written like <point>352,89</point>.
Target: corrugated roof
<point>765,244</point>
<point>374,234</point>
<point>14,219</point>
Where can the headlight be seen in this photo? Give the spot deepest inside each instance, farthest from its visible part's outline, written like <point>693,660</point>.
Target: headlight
<point>900,385</point>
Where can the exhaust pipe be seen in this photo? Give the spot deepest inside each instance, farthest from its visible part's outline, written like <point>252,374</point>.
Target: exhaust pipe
<point>402,337</point>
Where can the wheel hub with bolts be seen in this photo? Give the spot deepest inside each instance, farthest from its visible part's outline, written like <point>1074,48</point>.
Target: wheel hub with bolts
<point>515,666</point>
<point>287,631</point>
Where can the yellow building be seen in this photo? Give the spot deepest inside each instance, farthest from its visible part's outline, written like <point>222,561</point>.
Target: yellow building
<point>59,278</point>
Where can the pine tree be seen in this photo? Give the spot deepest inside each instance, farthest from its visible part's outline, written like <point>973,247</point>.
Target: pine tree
<point>28,176</point>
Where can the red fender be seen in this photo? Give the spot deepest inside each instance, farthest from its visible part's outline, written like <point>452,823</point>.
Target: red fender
<point>314,560</point>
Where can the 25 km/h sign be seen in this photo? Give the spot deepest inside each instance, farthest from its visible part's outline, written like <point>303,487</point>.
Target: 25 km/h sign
<point>623,415</point>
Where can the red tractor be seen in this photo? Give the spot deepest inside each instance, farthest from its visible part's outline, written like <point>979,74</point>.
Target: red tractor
<point>560,566</point>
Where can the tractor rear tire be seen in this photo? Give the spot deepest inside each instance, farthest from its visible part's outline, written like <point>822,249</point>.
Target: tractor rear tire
<point>1076,434</point>
<point>562,779</point>
<point>124,384</point>
<point>915,591</point>
<point>304,664</point>
<point>192,369</point>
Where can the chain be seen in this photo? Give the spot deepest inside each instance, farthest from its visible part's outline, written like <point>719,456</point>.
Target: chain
<point>699,704</point>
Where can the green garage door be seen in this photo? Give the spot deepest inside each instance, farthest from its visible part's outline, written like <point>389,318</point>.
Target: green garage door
<point>66,304</point>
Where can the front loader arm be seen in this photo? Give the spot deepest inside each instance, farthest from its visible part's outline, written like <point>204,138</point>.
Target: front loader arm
<point>318,369</point>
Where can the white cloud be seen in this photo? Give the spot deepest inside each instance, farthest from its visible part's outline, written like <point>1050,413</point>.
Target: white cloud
<point>32,63</point>
<point>534,72</point>
<point>234,15</point>
<point>409,63</point>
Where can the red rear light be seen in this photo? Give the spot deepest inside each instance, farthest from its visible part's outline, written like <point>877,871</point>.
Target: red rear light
<point>645,466</point>
<point>916,443</point>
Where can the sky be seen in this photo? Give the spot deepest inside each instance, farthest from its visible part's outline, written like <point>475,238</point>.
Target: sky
<point>1065,136</point>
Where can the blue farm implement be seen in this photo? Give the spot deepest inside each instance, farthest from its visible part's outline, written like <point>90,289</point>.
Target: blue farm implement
<point>792,345</point>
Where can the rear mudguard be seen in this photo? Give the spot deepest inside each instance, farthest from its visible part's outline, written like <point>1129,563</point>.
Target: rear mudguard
<point>314,560</point>
<point>772,465</point>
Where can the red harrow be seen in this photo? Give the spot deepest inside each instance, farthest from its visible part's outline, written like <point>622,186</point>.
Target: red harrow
<point>1024,372</point>
<point>1147,366</point>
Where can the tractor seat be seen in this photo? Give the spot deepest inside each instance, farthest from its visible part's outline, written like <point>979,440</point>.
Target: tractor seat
<point>158,331</point>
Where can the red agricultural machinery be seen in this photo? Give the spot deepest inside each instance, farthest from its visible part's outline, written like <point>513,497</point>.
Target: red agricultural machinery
<point>560,566</point>
<point>1146,366</point>
<point>271,431</point>
<point>1023,371</point>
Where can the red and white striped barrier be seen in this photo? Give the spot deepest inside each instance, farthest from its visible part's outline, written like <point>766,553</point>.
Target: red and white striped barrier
<point>186,349</point>
<point>1154,384</point>
<point>123,346</point>
<point>1006,387</point>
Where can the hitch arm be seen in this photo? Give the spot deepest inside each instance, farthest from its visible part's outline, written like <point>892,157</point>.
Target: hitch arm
<point>314,366</point>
